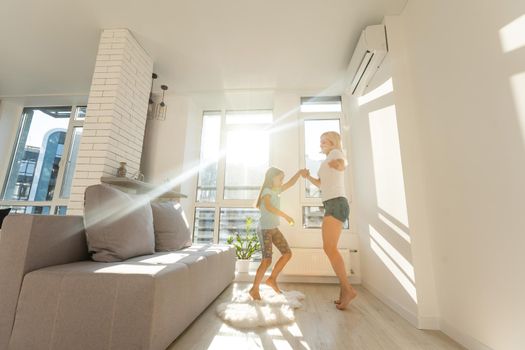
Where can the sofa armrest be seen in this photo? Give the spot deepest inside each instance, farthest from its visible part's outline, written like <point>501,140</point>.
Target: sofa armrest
<point>28,243</point>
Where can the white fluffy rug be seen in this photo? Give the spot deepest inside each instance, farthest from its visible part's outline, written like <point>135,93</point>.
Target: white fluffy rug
<point>272,310</point>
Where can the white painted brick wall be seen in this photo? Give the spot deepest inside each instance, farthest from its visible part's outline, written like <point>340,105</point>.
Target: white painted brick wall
<point>116,113</point>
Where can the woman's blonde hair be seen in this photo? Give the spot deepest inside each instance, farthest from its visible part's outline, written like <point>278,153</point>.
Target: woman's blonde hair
<point>334,138</point>
<point>268,182</point>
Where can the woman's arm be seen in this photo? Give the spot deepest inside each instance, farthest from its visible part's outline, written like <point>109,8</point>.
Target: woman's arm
<point>337,164</point>
<point>316,182</point>
<point>268,205</point>
<point>293,180</point>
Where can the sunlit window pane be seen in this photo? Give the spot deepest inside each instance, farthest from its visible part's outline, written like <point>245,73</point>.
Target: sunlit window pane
<point>313,129</point>
<point>234,220</point>
<point>204,223</point>
<point>39,149</point>
<point>210,149</point>
<point>247,156</point>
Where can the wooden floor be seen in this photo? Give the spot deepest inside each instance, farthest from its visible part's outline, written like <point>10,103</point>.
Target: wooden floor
<point>367,324</point>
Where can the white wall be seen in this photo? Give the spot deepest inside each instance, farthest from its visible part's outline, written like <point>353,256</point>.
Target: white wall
<point>395,260</point>
<point>470,97</point>
<point>460,111</point>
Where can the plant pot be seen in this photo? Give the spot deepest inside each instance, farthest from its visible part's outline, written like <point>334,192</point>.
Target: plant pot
<point>243,265</point>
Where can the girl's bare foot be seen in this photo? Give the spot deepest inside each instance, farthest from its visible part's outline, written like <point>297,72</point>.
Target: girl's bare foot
<point>255,294</point>
<point>272,283</point>
<point>338,301</point>
<point>346,297</point>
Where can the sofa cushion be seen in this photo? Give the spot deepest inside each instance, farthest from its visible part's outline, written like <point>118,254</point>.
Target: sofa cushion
<point>118,226</point>
<point>93,305</point>
<point>172,231</point>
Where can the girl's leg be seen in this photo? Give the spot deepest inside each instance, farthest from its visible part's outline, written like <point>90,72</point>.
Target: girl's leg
<point>281,244</point>
<point>263,266</point>
<point>331,232</point>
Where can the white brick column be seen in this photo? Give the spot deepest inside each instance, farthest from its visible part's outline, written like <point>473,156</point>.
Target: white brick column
<point>116,113</point>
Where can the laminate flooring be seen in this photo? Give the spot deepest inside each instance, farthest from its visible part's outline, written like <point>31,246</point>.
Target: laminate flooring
<point>367,324</point>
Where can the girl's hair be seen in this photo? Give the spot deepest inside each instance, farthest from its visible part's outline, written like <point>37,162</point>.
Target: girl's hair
<point>268,181</point>
<point>333,137</point>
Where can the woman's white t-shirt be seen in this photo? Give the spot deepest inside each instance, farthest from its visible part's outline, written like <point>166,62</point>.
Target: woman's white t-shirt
<point>332,180</point>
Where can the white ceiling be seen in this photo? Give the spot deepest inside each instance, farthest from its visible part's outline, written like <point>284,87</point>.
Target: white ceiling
<point>49,47</point>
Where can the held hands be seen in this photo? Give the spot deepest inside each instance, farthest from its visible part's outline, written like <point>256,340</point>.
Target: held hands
<point>304,172</point>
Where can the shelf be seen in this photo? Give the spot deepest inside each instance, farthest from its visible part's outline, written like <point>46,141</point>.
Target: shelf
<point>139,186</point>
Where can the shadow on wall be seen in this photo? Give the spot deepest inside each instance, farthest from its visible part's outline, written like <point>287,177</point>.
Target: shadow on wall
<point>385,229</point>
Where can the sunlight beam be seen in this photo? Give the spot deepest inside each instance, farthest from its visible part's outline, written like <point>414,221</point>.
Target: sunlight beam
<point>383,89</point>
<point>394,227</point>
<point>394,254</point>
<point>512,36</point>
<point>517,83</point>
<point>398,274</point>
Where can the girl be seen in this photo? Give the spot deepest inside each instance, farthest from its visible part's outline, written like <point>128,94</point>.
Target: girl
<point>269,206</point>
<point>336,208</point>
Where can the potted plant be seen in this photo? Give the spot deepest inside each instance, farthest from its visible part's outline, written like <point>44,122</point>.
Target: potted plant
<point>245,246</point>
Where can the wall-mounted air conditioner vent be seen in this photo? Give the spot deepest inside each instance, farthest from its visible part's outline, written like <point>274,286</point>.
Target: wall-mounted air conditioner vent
<point>370,51</point>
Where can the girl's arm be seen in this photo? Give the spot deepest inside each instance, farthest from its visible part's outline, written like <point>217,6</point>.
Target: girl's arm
<point>268,205</point>
<point>316,182</point>
<point>293,180</point>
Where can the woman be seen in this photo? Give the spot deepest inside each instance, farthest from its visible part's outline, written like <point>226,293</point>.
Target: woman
<point>336,209</point>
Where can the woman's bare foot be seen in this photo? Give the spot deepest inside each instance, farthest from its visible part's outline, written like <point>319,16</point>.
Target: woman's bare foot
<point>255,294</point>
<point>346,297</point>
<point>272,283</point>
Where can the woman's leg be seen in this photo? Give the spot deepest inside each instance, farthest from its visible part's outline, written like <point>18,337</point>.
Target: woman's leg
<point>331,232</point>
<point>263,266</point>
<point>286,254</point>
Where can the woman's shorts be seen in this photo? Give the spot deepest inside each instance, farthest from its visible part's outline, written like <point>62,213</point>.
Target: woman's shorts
<point>338,208</point>
<point>267,237</point>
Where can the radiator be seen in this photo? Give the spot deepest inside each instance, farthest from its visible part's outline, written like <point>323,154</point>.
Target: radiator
<point>312,262</point>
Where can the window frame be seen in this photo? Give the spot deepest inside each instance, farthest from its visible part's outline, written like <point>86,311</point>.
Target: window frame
<point>305,201</point>
<point>57,201</point>
<point>220,202</point>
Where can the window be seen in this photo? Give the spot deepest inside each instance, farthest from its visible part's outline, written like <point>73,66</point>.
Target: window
<point>313,129</point>
<point>204,224</point>
<point>319,115</point>
<point>37,172</point>
<point>247,153</point>
<point>235,154</point>
<point>229,181</point>
<point>233,220</point>
<point>210,146</point>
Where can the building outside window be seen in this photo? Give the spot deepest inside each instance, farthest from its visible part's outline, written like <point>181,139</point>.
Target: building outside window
<point>43,160</point>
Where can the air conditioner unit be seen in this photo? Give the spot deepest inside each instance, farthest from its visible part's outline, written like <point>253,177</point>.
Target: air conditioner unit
<point>370,51</point>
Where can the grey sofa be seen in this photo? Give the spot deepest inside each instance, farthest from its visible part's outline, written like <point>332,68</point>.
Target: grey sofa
<point>53,297</point>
